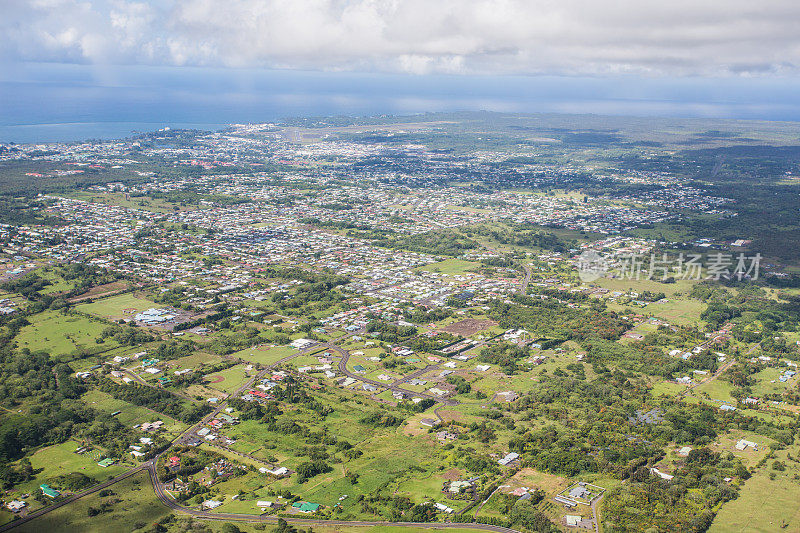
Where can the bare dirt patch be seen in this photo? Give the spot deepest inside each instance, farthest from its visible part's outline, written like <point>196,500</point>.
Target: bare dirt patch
<point>469,326</point>
<point>449,416</point>
<point>100,291</point>
<point>528,477</point>
<point>452,475</point>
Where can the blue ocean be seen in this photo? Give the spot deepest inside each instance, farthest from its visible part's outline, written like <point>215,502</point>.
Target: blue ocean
<point>41,102</point>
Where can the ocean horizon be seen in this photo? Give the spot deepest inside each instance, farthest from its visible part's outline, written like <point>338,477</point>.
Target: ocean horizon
<point>45,102</point>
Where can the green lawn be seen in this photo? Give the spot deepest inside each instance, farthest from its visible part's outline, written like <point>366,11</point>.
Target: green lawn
<point>764,505</point>
<point>450,266</point>
<point>232,378</point>
<point>131,414</point>
<point>681,312</point>
<point>716,390</point>
<point>144,203</point>
<point>112,308</point>
<point>264,355</point>
<point>767,382</point>
<point>62,335</point>
<point>137,507</point>
<point>60,459</point>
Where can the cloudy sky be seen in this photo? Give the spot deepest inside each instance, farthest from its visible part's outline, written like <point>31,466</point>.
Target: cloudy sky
<point>117,65</point>
<point>528,37</point>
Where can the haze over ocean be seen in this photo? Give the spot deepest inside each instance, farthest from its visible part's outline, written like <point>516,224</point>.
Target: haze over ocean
<point>65,102</point>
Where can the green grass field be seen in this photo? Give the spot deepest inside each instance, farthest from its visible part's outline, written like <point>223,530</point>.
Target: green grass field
<point>232,378</point>
<point>716,390</point>
<point>131,414</point>
<point>112,308</point>
<point>767,382</point>
<point>62,335</point>
<point>265,355</point>
<point>764,505</point>
<point>137,508</point>
<point>450,266</point>
<point>60,459</point>
<point>144,203</point>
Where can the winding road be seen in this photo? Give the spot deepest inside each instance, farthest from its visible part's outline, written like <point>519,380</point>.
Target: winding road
<point>173,504</point>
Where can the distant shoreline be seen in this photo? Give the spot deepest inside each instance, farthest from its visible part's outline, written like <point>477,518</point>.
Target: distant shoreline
<point>81,131</point>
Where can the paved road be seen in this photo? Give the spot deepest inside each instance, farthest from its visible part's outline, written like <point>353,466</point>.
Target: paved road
<point>394,387</point>
<point>720,370</point>
<point>171,503</point>
<point>595,516</point>
<point>527,280</point>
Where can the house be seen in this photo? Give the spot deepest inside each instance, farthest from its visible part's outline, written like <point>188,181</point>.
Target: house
<point>306,507</point>
<point>744,444</point>
<point>48,491</point>
<point>429,422</point>
<point>211,504</point>
<point>458,486</point>
<point>683,452</point>
<point>279,471</point>
<point>662,475</point>
<point>579,491</point>
<point>105,463</point>
<point>507,396</point>
<point>16,506</point>
<point>508,459</point>
<point>152,426</point>
<point>227,419</point>
<point>302,344</point>
<point>443,508</point>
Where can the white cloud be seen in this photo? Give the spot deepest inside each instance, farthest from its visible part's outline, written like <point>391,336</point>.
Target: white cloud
<point>680,37</point>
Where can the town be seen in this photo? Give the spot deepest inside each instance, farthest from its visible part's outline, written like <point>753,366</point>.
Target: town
<point>389,321</point>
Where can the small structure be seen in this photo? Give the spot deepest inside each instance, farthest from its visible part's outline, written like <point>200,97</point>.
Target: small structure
<point>565,501</point>
<point>508,459</point>
<point>744,444</point>
<point>306,507</point>
<point>280,471</point>
<point>507,396</point>
<point>443,508</point>
<point>48,491</point>
<point>16,506</point>
<point>662,475</point>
